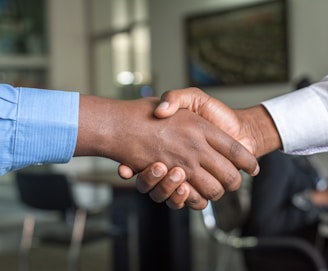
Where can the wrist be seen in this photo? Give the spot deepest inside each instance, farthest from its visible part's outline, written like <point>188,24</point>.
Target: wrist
<point>93,121</point>
<point>258,126</point>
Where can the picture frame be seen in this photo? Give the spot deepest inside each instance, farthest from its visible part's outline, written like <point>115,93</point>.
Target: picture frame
<point>239,46</point>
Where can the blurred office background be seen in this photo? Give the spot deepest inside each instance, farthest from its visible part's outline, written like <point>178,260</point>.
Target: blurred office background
<point>129,49</point>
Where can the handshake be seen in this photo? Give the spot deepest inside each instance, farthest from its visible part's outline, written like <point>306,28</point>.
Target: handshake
<point>187,147</point>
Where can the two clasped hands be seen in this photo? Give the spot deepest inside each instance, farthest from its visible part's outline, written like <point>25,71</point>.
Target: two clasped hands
<point>199,144</point>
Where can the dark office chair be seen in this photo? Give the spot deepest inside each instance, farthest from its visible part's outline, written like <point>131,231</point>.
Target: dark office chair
<point>227,233</point>
<point>52,192</point>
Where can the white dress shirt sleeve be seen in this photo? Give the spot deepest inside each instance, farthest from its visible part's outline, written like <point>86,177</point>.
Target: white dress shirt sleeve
<point>301,118</point>
<point>36,126</point>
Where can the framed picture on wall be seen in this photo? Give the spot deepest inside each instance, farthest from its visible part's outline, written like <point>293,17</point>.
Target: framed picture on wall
<point>239,46</point>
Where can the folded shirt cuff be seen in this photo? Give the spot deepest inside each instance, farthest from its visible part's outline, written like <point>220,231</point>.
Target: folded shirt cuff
<point>46,127</point>
<point>301,119</point>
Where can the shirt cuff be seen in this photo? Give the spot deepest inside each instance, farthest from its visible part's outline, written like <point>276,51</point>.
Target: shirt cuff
<point>47,125</point>
<point>301,119</point>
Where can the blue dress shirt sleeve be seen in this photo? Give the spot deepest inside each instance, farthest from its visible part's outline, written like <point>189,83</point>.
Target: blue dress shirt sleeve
<point>301,118</point>
<point>36,126</point>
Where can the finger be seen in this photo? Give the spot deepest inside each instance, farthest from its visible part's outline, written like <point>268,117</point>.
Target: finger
<point>168,185</point>
<point>186,195</point>
<point>218,174</point>
<point>224,172</point>
<point>178,198</point>
<point>232,150</point>
<point>125,172</point>
<point>206,185</point>
<point>195,200</point>
<point>150,177</point>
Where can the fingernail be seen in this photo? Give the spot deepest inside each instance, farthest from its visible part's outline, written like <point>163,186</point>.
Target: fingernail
<point>157,172</point>
<point>163,106</point>
<point>256,171</point>
<point>175,177</point>
<point>180,190</point>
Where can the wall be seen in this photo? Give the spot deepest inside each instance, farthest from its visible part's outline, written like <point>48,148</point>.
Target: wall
<point>68,45</point>
<point>308,43</point>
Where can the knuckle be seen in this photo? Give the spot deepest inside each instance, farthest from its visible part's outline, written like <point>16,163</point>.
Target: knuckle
<point>232,181</point>
<point>193,201</point>
<point>236,149</point>
<point>195,145</point>
<point>215,194</point>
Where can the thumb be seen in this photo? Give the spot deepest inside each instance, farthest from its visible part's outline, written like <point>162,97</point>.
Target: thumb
<point>171,102</point>
<point>166,109</point>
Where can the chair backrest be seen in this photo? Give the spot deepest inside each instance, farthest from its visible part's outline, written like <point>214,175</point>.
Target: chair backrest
<point>224,220</point>
<point>46,191</point>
